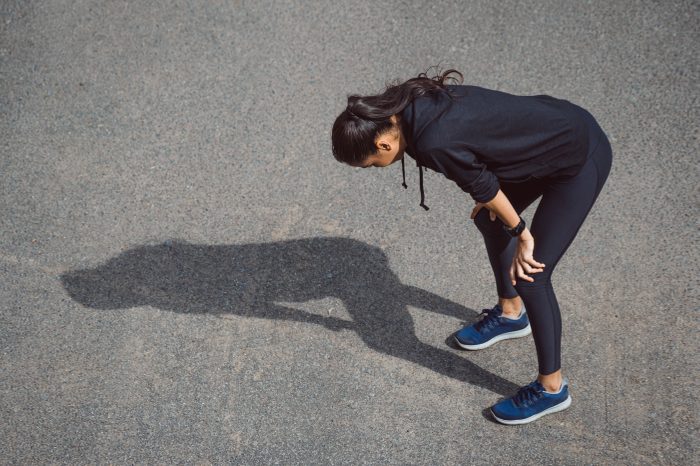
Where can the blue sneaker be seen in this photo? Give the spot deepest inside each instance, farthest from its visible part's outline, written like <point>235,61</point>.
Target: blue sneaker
<point>493,328</point>
<point>531,402</point>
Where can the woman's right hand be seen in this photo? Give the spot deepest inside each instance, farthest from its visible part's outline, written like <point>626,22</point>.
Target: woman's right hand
<point>477,208</point>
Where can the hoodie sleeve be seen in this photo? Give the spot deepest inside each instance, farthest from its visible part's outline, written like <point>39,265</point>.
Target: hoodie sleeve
<point>461,166</point>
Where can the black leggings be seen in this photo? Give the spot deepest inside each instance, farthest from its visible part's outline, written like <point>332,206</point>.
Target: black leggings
<point>564,206</point>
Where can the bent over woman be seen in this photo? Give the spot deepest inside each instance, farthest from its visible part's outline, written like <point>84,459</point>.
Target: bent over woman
<point>505,151</point>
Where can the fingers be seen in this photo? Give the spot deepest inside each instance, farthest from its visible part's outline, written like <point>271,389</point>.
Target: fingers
<point>524,263</point>
<point>521,273</point>
<point>531,260</point>
<point>476,209</point>
<point>521,268</point>
<point>527,266</point>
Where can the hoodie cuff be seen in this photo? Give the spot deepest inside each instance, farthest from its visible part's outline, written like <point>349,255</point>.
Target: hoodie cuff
<point>485,187</point>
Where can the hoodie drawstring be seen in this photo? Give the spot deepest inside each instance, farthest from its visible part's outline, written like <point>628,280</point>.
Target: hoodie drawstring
<point>422,191</point>
<point>403,172</point>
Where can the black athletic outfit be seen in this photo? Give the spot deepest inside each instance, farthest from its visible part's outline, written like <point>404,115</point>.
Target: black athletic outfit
<point>527,146</point>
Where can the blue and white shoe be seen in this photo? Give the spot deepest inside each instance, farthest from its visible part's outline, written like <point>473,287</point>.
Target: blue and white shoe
<point>493,328</point>
<point>530,403</point>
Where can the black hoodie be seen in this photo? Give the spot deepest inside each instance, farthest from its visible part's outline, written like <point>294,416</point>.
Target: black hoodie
<point>484,136</point>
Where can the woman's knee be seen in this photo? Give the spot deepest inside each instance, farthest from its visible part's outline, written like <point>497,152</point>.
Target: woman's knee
<point>541,280</point>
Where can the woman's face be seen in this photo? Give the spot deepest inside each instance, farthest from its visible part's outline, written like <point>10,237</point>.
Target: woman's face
<point>390,147</point>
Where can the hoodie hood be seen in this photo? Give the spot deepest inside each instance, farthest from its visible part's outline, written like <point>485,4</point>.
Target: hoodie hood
<point>412,127</point>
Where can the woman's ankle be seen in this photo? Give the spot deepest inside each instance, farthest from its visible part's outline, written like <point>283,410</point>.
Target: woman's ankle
<point>511,306</point>
<point>551,382</point>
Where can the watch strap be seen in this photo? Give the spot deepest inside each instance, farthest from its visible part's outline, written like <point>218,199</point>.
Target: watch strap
<point>517,229</point>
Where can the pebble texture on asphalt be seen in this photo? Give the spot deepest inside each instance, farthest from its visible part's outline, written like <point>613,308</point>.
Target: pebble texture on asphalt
<point>187,275</point>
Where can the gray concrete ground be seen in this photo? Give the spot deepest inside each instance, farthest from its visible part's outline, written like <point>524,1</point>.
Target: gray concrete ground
<point>187,275</point>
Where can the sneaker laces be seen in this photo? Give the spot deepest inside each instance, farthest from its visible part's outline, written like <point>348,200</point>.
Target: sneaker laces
<point>528,394</point>
<point>490,320</point>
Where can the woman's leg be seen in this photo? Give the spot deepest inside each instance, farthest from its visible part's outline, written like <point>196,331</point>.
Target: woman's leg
<point>500,246</point>
<point>561,212</point>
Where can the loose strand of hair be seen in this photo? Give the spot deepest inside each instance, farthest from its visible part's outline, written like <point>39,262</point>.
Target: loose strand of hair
<point>397,95</point>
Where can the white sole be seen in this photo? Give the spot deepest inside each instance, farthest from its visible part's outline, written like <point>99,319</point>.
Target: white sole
<point>556,408</point>
<point>504,336</point>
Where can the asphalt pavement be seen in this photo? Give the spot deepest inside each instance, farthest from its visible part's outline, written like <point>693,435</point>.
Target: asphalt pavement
<point>188,276</point>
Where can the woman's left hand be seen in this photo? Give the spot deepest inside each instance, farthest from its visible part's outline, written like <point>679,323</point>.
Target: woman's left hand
<point>523,262</point>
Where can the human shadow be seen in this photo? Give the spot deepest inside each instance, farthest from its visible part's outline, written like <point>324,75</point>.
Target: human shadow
<point>251,279</point>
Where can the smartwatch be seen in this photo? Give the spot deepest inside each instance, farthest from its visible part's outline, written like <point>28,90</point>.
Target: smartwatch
<point>517,229</point>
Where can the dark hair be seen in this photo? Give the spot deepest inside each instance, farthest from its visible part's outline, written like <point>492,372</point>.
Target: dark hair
<point>366,117</point>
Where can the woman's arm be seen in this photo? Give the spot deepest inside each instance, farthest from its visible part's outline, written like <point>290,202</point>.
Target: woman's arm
<point>523,262</point>
<point>501,206</point>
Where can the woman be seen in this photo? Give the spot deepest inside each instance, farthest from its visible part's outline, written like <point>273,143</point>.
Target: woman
<point>505,151</point>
